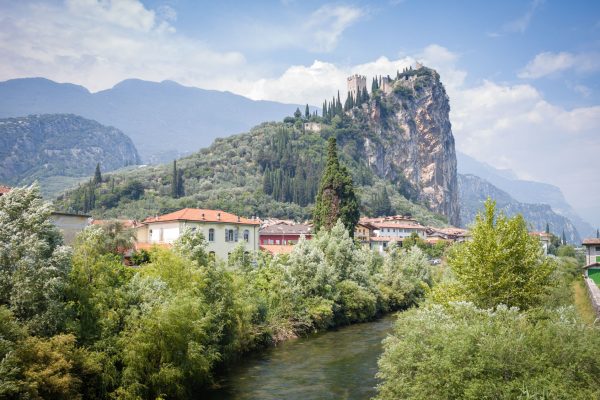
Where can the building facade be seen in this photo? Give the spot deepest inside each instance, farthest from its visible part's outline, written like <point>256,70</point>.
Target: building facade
<point>223,231</point>
<point>70,224</point>
<point>284,233</point>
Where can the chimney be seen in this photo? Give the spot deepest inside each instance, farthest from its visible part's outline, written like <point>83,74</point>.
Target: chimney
<point>238,218</point>
<point>203,216</point>
<point>218,216</point>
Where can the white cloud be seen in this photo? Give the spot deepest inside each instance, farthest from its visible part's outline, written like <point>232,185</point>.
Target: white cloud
<point>327,24</point>
<point>99,43</point>
<point>521,23</point>
<point>548,63</point>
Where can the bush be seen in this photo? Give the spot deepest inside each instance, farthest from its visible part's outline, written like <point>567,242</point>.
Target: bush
<point>463,352</point>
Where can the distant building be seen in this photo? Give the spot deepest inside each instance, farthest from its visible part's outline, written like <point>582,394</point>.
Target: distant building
<point>70,224</point>
<point>312,127</point>
<point>592,259</point>
<point>356,83</point>
<point>449,234</point>
<point>545,239</point>
<point>223,231</point>
<point>284,233</point>
<point>384,231</point>
<point>363,232</point>
<point>4,189</point>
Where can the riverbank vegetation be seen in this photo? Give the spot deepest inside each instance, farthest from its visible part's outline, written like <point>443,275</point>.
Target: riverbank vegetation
<point>77,323</point>
<point>504,323</point>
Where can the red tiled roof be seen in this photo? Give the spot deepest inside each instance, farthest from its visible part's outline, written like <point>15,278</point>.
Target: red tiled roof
<point>4,189</point>
<point>400,225</point>
<point>591,241</point>
<point>277,248</point>
<point>201,215</point>
<point>286,229</point>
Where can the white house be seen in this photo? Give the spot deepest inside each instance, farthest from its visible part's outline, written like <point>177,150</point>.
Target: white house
<point>223,231</point>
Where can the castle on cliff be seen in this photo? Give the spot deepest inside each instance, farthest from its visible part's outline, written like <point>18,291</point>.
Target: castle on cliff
<point>358,83</point>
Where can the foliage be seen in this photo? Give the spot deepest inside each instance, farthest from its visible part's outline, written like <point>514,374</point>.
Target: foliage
<point>463,352</point>
<point>336,198</point>
<point>33,264</point>
<point>502,264</point>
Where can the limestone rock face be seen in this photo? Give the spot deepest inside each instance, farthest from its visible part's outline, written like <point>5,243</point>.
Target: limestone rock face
<point>410,140</point>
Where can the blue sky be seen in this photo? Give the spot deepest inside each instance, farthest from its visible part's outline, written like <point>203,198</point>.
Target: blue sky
<point>522,76</point>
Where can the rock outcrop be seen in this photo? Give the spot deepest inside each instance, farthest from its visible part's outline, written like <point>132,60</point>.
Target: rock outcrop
<point>410,140</point>
<point>39,147</point>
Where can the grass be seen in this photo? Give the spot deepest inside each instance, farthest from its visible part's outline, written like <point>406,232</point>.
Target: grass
<point>582,301</point>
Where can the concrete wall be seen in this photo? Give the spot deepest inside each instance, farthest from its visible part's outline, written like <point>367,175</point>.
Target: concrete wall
<point>70,225</point>
<point>591,254</point>
<point>594,294</point>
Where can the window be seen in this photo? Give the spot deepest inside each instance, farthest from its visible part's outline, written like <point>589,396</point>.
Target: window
<point>246,235</point>
<point>229,235</point>
<point>211,235</point>
<point>277,241</point>
<point>597,248</point>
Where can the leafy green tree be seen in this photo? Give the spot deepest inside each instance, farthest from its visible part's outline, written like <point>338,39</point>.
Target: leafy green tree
<point>297,113</point>
<point>502,264</point>
<point>463,352</point>
<point>33,264</point>
<point>336,198</point>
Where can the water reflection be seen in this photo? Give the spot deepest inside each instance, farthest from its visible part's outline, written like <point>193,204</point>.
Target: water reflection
<point>333,365</point>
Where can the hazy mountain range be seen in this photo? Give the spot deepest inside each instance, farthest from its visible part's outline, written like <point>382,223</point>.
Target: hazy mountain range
<point>523,191</point>
<point>163,119</point>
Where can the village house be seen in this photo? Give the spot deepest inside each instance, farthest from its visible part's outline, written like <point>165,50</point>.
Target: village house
<point>384,231</point>
<point>592,259</point>
<point>223,231</point>
<point>70,225</point>
<point>545,239</point>
<point>279,237</point>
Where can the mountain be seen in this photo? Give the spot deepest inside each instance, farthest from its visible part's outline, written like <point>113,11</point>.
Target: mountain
<point>59,149</point>
<point>397,143</point>
<point>525,191</point>
<point>165,120</point>
<point>475,190</point>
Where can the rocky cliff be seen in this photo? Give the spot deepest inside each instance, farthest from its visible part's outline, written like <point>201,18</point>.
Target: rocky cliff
<point>411,140</point>
<point>473,191</point>
<point>57,147</point>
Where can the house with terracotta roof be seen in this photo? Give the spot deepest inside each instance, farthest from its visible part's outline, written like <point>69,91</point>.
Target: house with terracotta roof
<point>223,231</point>
<point>284,233</point>
<point>545,239</point>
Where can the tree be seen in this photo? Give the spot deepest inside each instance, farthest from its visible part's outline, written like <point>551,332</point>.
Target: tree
<point>564,238</point>
<point>307,112</point>
<point>336,198</point>
<point>298,113</point>
<point>502,264</point>
<point>33,264</point>
<point>177,188</point>
<point>597,233</point>
<point>547,228</point>
<point>97,175</point>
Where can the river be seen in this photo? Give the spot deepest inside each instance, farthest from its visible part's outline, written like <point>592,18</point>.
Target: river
<point>338,364</point>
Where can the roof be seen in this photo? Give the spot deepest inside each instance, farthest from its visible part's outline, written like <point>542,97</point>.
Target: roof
<point>401,225</point>
<point>4,189</point>
<point>595,265</point>
<point>71,214</point>
<point>277,248</point>
<point>286,229</point>
<point>591,241</point>
<point>541,234</point>
<point>202,215</point>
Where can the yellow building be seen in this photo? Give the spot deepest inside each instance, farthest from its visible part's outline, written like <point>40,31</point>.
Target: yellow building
<point>223,231</point>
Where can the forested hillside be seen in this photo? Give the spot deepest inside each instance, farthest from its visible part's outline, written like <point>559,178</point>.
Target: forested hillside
<point>273,170</point>
<point>59,149</point>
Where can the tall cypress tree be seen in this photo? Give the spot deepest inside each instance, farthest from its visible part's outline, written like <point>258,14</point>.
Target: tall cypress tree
<point>307,112</point>
<point>564,237</point>
<point>336,198</point>
<point>174,179</point>
<point>547,228</point>
<point>97,175</point>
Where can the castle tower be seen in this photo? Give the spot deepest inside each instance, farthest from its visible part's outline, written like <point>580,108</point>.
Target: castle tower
<point>356,82</point>
<point>386,85</point>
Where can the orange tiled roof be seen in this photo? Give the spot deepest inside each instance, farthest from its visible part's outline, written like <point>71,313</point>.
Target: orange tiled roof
<point>591,241</point>
<point>277,248</point>
<point>201,215</point>
<point>391,224</point>
<point>4,189</point>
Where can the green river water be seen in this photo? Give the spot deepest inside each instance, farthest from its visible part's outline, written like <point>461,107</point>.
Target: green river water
<point>337,364</point>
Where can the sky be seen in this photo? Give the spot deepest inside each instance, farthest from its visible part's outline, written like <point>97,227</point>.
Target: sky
<point>523,77</point>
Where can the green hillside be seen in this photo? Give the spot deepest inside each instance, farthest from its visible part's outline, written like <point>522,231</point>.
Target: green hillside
<point>273,171</point>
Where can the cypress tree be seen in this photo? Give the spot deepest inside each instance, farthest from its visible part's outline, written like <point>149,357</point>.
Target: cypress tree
<point>297,113</point>
<point>180,188</point>
<point>597,233</point>
<point>174,179</point>
<point>97,175</point>
<point>324,112</point>
<point>547,228</point>
<point>564,237</point>
<point>307,112</point>
<point>336,198</point>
